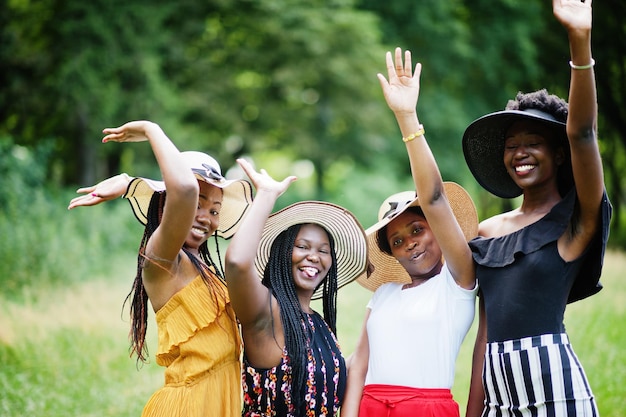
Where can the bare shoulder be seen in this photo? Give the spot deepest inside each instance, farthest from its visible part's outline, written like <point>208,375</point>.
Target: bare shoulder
<point>162,279</point>
<point>494,225</point>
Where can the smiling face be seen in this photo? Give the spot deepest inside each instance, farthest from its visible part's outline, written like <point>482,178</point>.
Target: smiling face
<point>207,218</point>
<point>529,157</point>
<point>311,258</point>
<point>414,246</point>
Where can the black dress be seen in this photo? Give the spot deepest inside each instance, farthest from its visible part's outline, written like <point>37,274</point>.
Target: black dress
<point>524,281</point>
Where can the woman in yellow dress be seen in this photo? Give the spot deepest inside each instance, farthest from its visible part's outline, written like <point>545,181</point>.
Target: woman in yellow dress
<point>199,341</point>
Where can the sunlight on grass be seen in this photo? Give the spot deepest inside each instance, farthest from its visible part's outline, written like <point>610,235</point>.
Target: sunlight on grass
<point>64,352</point>
<point>67,355</point>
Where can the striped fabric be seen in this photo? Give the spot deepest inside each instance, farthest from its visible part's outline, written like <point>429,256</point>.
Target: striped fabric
<point>537,376</point>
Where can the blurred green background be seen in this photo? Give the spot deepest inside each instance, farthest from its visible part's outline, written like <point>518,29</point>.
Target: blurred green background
<point>291,84</point>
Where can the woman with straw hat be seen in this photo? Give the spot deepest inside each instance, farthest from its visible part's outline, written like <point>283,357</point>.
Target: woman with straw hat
<point>275,266</point>
<point>535,259</point>
<point>199,341</point>
<point>423,277</point>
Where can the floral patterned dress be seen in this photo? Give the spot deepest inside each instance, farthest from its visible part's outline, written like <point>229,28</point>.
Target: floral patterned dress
<point>267,392</point>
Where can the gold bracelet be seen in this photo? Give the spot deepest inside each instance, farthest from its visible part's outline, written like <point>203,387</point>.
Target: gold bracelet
<point>420,132</point>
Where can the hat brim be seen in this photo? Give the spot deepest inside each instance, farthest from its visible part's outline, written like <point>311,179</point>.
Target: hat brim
<point>384,268</point>
<point>347,232</point>
<point>483,147</point>
<point>235,202</point>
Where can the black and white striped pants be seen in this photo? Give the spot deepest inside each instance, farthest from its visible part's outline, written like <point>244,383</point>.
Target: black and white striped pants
<point>537,376</point>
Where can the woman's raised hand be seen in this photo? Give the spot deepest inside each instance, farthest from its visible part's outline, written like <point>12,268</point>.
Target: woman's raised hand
<point>105,190</point>
<point>401,91</point>
<point>263,181</point>
<point>135,131</point>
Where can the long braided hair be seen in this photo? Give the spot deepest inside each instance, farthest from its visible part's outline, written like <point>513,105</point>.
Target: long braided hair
<point>278,278</point>
<point>139,298</point>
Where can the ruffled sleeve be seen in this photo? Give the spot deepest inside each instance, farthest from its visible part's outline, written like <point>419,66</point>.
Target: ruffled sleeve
<point>504,250</point>
<point>588,280</point>
<point>190,310</point>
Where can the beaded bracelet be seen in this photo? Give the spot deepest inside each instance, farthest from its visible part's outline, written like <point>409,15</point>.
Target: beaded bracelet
<point>420,132</point>
<point>583,67</point>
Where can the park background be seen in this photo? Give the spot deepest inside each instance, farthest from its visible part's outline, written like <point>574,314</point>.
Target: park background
<point>290,84</point>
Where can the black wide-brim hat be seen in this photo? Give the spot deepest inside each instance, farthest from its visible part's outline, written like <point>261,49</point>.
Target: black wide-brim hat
<point>483,147</point>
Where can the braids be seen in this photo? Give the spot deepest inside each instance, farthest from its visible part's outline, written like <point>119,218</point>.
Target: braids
<point>204,268</point>
<point>207,259</point>
<point>278,278</point>
<point>138,296</point>
<point>329,294</point>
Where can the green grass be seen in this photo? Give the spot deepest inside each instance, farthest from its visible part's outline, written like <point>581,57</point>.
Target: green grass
<point>64,351</point>
<point>66,354</point>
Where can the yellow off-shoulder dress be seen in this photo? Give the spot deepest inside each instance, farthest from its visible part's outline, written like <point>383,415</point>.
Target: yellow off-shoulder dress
<point>200,344</point>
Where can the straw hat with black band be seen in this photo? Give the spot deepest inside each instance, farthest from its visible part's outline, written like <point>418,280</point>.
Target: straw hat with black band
<point>483,147</point>
<point>235,201</point>
<point>385,268</point>
<point>347,232</point>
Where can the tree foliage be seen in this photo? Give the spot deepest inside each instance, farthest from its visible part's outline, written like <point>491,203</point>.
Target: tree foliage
<point>289,77</point>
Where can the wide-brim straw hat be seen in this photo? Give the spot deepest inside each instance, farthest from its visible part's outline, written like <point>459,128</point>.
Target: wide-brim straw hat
<point>385,268</point>
<point>483,147</point>
<point>235,201</point>
<point>347,232</point>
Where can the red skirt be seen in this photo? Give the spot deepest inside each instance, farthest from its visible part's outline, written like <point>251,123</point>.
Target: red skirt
<point>398,401</point>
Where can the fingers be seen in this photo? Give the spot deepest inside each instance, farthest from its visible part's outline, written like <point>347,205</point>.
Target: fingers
<point>247,167</point>
<point>113,137</point>
<point>400,65</point>
<point>398,53</point>
<point>287,181</point>
<point>418,70</point>
<point>382,80</point>
<point>391,71</point>
<point>263,181</point>
<point>407,63</point>
<point>84,200</point>
<point>86,190</point>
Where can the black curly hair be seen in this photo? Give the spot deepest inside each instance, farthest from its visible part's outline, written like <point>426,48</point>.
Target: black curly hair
<point>540,100</point>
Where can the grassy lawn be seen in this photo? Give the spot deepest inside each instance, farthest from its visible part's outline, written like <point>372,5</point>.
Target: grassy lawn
<point>64,351</point>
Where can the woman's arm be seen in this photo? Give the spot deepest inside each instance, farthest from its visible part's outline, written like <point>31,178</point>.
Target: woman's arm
<point>182,193</point>
<point>401,93</point>
<point>248,296</point>
<point>356,373</point>
<point>476,397</point>
<point>576,18</point>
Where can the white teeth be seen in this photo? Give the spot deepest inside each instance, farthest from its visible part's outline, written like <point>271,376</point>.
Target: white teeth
<point>524,168</point>
<point>198,231</point>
